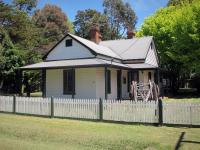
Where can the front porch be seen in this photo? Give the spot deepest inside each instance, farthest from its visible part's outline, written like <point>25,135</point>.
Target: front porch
<point>106,82</point>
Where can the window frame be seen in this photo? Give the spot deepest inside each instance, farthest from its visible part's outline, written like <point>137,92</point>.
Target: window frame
<point>68,42</point>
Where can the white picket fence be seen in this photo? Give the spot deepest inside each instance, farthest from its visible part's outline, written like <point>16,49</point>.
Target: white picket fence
<point>76,108</point>
<point>33,105</point>
<point>130,111</point>
<point>6,103</point>
<point>181,113</point>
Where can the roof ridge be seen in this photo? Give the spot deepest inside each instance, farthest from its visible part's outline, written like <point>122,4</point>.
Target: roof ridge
<point>113,51</point>
<point>129,46</point>
<point>98,45</point>
<point>127,39</point>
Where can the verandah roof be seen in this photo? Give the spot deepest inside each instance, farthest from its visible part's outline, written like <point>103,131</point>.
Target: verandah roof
<point>78,63</point>
<point>73,63</point>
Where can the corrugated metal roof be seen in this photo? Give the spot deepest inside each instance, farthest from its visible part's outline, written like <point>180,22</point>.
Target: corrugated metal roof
<point>73,63</point>
<point>100,49</point>
<point>141,66</point>
<point>135,48</point>
<point>84,63</point>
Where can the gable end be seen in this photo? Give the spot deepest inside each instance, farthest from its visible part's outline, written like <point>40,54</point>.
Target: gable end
<point>61,51</point>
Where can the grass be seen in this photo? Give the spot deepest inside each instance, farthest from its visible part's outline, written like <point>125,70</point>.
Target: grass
<point>35,133</point>
<point>36,94</point>
<point>182,99</point>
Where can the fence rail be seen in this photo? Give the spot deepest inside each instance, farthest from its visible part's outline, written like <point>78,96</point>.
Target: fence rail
<point>183,113</point>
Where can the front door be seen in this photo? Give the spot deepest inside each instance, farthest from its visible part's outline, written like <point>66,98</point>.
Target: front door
<point>119,84</point>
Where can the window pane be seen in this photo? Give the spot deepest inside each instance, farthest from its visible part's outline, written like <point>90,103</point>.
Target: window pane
<point>68,42</point>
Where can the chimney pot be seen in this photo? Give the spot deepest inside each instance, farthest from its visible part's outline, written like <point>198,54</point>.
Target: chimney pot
<point>95,34</point>
<point>130,34</point>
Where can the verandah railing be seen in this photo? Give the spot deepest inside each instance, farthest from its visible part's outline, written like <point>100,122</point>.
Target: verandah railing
<point>183,113</point>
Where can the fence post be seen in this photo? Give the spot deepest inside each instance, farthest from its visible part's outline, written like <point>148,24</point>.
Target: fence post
<point>100,109</point>
<point>52,107</point>
<point>190,115</point>
<point>14,104</point>
<point>160,109</point>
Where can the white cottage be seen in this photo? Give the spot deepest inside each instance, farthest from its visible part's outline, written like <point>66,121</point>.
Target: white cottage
<point>81,68</point>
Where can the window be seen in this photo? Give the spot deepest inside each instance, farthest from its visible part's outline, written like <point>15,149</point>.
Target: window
<point>69,81</point>
<point>68,42</point>
<point>108,82</point>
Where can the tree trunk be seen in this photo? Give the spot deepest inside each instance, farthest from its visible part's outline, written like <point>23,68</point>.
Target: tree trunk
<point>1,84</point>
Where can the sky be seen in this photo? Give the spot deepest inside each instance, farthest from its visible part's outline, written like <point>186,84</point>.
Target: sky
<point>142,8</point>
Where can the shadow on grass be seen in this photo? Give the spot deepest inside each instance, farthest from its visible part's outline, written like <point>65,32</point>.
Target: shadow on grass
<point>180,141</point>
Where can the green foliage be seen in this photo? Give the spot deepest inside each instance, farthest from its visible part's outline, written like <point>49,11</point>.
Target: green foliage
<point>25,5</point>
<point>85,19</point>
<point>178,2</point>
<point>18,39</point>
<point>176,31</point>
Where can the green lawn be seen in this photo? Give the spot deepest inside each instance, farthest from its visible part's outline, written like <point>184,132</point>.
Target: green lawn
<point>182,99</point>
<point>36,94</point>
<point>35,133</point>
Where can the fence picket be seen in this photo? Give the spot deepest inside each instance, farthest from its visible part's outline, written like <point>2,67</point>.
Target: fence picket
<point>115,110</point>
<point>129,111</point>
<point>76,108</point>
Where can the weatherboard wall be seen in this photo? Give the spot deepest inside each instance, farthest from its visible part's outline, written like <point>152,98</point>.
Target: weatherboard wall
<point>72,52</point>
<point>89,83</point>
<point>151,57</point>
<point>85,83</point>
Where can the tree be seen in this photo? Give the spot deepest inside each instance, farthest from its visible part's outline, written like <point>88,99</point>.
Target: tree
<point>53,24</point>
<point>18,39</point>
<point>176,31</point>
<point>178,2</point>
<point>21,30</point>
<point>25,5</point>
<point>121,17</point>
<point>85,19</point>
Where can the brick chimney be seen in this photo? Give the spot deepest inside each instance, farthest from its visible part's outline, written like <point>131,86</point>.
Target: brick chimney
<point>95,34</point>
<point>130,34</point>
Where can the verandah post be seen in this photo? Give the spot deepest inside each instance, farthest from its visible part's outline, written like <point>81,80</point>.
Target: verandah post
<point>100,109</point>
<point>106,81</point>
<point>43,82</point>
<point>160,109</point>
<point>14,104</point>
<point>52,107</point>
